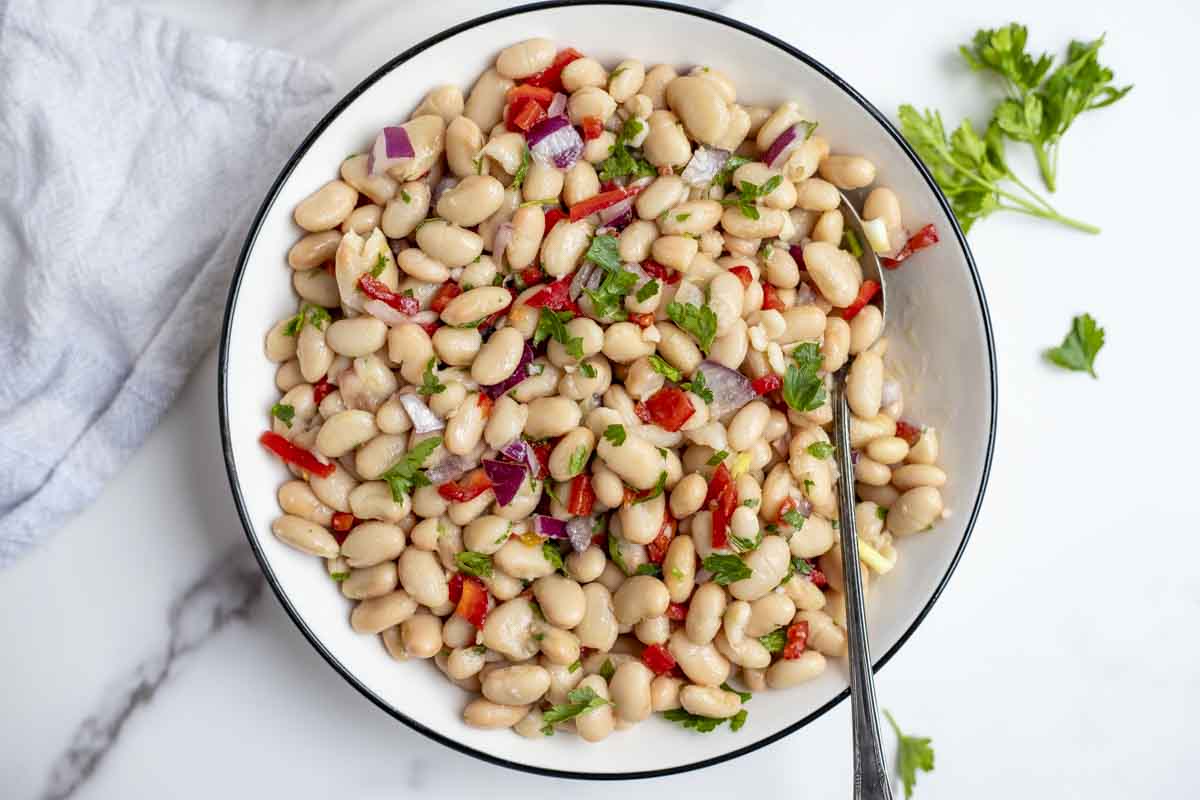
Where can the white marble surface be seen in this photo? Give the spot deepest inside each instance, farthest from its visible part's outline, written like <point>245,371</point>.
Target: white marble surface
<point>143,655</point>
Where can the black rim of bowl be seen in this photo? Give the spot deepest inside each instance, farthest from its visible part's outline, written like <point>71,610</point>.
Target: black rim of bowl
<point>222,389</point>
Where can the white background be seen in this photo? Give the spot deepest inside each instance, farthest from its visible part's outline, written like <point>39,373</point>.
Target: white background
<point>1062,659</point>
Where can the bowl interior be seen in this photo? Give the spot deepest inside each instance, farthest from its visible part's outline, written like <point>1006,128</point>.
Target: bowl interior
<point>938,330</point>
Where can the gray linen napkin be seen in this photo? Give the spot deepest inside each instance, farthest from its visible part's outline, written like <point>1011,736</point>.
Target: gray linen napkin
<point>132,156</point>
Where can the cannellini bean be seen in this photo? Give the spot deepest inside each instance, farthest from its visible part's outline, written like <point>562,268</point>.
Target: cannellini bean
<point>486,715</point>
<point>915,510</point>
<point>786,673</point>
<point>377,614</point>
<point>471,201</point>
<point>368,582</point>
<point>371,543</point>
<point>526,58</point>
<point>327,207</point>
<point>516,685</point>
<point>768,563</point>
<point>598,628</point>
<point>630,689</point>
<point>710,701</point>
<point>304,535</point>
<point>848,172</point>
<point>837,273</point>
<point>701,663</point>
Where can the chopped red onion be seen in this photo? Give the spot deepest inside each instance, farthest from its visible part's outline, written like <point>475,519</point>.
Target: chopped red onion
<point>705,164</point>
<point>450,468</point>
<point>514,450</point>
<point>545,525</point>
<point>558,105</point>
<point>805,295</point>
<point>384,313</point>
<point>519,374</point>
<point>580,279</point>
<point>390,148</point>
<point>610,215</point>
<point>731,389</point>
<point>777,154</point>
<point>423,419</point>
<point>579,532</point>
<point>891,392</point>
<point>506,479</point>
<point>854,456</point>
<point>444,185</point>
<point>804,506</point>
<point>555,142</point>
<point>796,251</point>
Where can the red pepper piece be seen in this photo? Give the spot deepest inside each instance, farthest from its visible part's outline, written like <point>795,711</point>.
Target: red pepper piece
<point>598,202</point>
<point>554,216</point>
<point>554,296</point>
<point>669,408</point>
<point>677,612</point>
<point>766,384</point>
<point>343,522</point>
<point>818,578</point>
<point>531,276</point>
<point>582,498</point>
<point>658,659</point>
<point>542,450</point>
<point>592,128</point>
<point>551,76</point>
<point>494,318</point>
<point>442,297</point>
<point>656,551</point>
<point>322,389</point>
<point>456,583</point>
<point>485,403</point>
<point>771,298</point>
<point>743,273</point>
<point>294,454</point>
<point>642,320</point>
<point>797,640</point>
<point>641,412</point>
<point>908,432</point>
<point>721,501</point>
<point>473,604</point>
<point>657,270</point>
<point>523,114</point>
<point>868,290</point>
<point>377,290</point>
<point>430,327</point>
<point>468,487</point>
<point>923,238</point>
<point>540,95</point>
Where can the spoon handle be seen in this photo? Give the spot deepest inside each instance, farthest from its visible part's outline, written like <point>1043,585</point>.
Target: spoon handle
<point>870,772</point>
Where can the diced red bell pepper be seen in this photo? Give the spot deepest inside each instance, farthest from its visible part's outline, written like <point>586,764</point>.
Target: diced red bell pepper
<point>598,202</point>
<point>468,487</point>
<point>295,455</point>
<point>523,113</point>
<point>923,238</point>
<point>658,659</point>
<point>555,296</point>
<point>442,297</point>
<point>377,290</point>
<point>531,276</point>
<point>430,327</point>
<point>456,583</point>
<point>582,498</point>
<point>677,612</point>
<point>656,551</point>
<point>473,604</point>
<point>657,270</point>
<point>551,76</point>
<point>868,290</point>
<point>554,215</point>
<point>542,450</point>
<point>485,403</point>
<point>743,273</point>
<point>343,522</point>
<point>525,91</point>
<point>797,640</point>
<point>642,320</point>
<point>592,128</point>
<point>766,384</point>
<point>669,408</point>
<point>722,502</point>
<point>771,298</point>
<point>322,389</point>
<point>908,432</point>
<point>641,412</point>
<point>796,251</point>
<point>818,578</point>
<point>494,318</point>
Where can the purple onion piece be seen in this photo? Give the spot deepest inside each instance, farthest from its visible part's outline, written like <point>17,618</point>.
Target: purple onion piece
<point>731,389</point>
<point>550,527</point>
<point>607,215</point>
<point>423,419</point>
<point>544,128</point>
<point>804,507</point>
<point>514,451</point>
<point>519,374</point>
<point>449,468</point>
<point>580,279</point>
<point>705,164</point>
<point>555,142</point>
<point>506,479</point>
<point>579,531</point>
<point>558,105</point>
<point>786,142</point>
<point>444,185</point>
<point>797,254</point>
<point>391,145</point>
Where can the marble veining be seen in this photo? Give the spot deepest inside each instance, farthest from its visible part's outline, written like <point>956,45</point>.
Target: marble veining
<point>226,592</point>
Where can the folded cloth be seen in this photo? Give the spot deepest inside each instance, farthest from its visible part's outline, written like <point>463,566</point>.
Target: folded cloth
<point>132,155</point>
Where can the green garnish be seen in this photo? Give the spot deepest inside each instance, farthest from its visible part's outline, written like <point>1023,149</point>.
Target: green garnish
<point>775,640</point>
<point>655,492</point>
<point>745,545</point>
<point>522,171</point>
<point>472,563</point>
<point>1080,346</point>
<point>699,387</point>
<point>704,724</point>
<point>615,434</point>
<point>912,753</point>
<point>716,458</point>
<point>313,315</point>
<point>699,321</point>
<point>726,172</point>
<point>338,577</point>
<point>794,518</point>
<point>405,196</point>
<point>682,217</point>
<point>648,569</point>
<point>553,324</point>
<point>579,460</point>
<point>551,553</point>
<point>803,389</point>
<point>745,198</point>
<point>665,369</point>
<point>587,369</point>
<point>284,413</point>
<point>621,161</point>
<point>576,665</point>
<point>607,670</point>
<point>850,242</point>
<point>820,449</point>
<point>648,290</point>
<point>579,701</point>
<point>430,385</point>
<point>406,475</point>
<point>726,569</point>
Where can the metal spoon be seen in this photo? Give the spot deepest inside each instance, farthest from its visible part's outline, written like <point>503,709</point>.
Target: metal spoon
<point>870,771</point>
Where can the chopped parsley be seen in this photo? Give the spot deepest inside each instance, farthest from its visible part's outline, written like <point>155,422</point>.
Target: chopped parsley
<point>579,460</point>
<point>576,665</point>
<point>430,385</point>
<point>587,369</point>
<point>717,458</point>
<point>726,569</point>
<point>704,724</point>
<point>751,502</point>
<point>338,577</point>
<point>775,640</point>
<point>648,290</point>
<point>803,388</point>
<point>682,217</point>
<point>615,434</point>
<point>699,321</point>
<point>553,324</point>
<point>881,513</point>
<point>749,193</point>
<point>665,369</point>
<point>380,266</point>
<point>284,413</point>
<point>472,563</point>
<point>621,162</point>
<point>794,518</point>
<point>313,315</point>
<point>609,297</point>
<point>731,166</point>
<point>614,552</point>
<point>405,196</point>
<point>522,171</point>
<point>551,553</point>
<point>648,569</point>
<point>579,701</point>
<point>604,252</point>
<point>850,242</point>
<point>745,545</point>
<point>607,670</point>
<point>820,449</point>
<point>699,387</point>
<point>655,492</point>
<point>406,475</point>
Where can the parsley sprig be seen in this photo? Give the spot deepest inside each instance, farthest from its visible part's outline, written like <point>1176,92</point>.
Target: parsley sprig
<point>726,569</point>
<point>553,324</point>
<point>621,161</point>
<point>579,701</point>
<point>803,388</point>
<point>912,753</point>
<point>472,563</point>
<point>430,384</point>
<point>406,475</point>
<point>748,194</point>
<point>1080,346</point>
<point>608,298</point>
<point>699,321</point>
<point>308,314</point>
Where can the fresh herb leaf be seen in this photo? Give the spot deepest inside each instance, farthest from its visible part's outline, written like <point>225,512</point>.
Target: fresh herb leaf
<point>881,513</point>
<point>472,563</point>
<point>745,697</point>
<point>607,670</point>
<point>576,665</point>
<point>698,386</point>
<point>726,569</point>
<point>430,384</point>
<point>726,172</point>
<point>553,324</point>
<point>749,193</point>
<point>284,413</point>
<point>775,640</point>
<point>808,484</point>
<point>912,753</point>
<point>803,388</point>
<point>699,321</point>
<point>615,434</point>
<point>551,553</point>
<point>578,460</point>
<point>794,518</point>
<point>738,720</point>
<point>665,369</point>
<point>655,492</point>
<point>682,217</point>
<point>677,573</point>
<point>621,162</point>
<point>820,449</point>
<point>579,701</point>
<point>338,577</point>
<point>743,544</point>
<point>648,569</point>
<point>587,369</point>
<point>717,457</point>
<point>522,171</point>
<point>648,290</point>
<point>545,201</point>
<point>1080,346</point>
<point>609,297</point>
<point>310,314</point>
<point>751,502</point>
<point>703,724</point>
<point>405,196</point>
<point>406,475</point>
<point>615,554</point>
<point>380,266</point>
<point>850,242</point>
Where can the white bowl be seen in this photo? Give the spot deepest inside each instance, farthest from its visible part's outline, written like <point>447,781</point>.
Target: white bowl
<point>936,304</point>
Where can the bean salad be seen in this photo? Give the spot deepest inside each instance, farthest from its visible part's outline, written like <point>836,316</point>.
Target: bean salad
<point>555,398</point>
